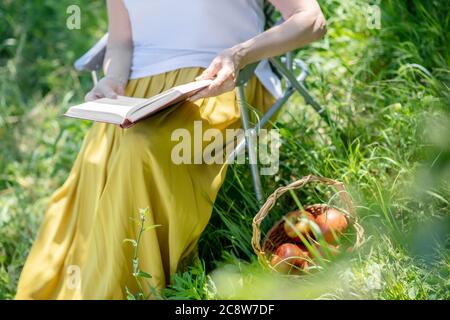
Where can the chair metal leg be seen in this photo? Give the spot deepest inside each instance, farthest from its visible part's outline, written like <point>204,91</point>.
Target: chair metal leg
<point>249,143</point>
<point>94,76</point>
<point>302,90</point>
<point>263,121</point>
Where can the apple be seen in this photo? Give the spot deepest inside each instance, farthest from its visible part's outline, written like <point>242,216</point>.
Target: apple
<point>289,257</point>
<point>332,224</point>
<point>298,222</point>
<point>322,252</point>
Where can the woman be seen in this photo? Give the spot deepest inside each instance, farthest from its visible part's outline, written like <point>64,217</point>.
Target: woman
<point>154,45</point>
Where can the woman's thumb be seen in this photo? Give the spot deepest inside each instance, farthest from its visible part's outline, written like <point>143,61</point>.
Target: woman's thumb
<point>209,72</point>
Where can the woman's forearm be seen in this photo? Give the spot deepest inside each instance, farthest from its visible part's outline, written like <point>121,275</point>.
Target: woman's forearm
<point>300,29</point>
<point>118,56</point>
<point>117,63</point>
<point>304,23</point>
<point>116,66</point>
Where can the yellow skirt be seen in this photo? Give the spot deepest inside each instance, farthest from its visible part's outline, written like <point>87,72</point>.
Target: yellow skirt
<point>80,251</point>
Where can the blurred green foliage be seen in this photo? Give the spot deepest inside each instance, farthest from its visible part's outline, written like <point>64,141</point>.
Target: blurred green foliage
<point>387,88</point>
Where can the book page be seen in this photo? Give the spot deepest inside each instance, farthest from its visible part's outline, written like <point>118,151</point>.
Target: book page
<point>167,98</point>
<point>132,109</point>
<point>152,100</point>
<point>119,106</point>
<point>102,106</point>
<point>192,86</point>
<point>123,101</point>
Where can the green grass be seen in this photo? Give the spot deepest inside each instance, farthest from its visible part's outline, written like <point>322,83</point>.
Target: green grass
<point>387,89</point>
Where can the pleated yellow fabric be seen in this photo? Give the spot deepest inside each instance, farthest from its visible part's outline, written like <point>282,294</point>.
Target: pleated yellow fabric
<point>117,172</point>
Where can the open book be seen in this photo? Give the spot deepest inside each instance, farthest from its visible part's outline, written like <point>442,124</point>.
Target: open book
<point>126,111</point>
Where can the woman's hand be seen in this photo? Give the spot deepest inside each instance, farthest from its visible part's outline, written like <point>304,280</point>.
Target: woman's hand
<point>118,56</point>
<point>223,70</point>
<point>304,23</point>
<point>107,87</point>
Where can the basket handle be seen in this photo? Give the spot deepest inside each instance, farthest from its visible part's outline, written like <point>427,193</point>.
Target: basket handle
<point>271,200</point>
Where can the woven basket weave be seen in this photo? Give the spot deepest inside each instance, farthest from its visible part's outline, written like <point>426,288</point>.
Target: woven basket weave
<point>277,236</point>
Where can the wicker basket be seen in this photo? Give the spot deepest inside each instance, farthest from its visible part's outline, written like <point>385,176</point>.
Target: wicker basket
<point>276,235</point>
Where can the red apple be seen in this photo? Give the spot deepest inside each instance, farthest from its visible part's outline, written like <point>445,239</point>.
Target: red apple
<point>332,224</point>
<point>280,265</point>
<point>324,252</point>
<point>289,257</point>
<point>298,222</point>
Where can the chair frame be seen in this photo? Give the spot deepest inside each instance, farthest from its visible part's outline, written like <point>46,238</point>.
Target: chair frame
<point>285,65</point>
<point>293,84</point>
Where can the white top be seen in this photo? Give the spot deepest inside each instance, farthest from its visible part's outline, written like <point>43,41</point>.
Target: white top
<point>173,34</point>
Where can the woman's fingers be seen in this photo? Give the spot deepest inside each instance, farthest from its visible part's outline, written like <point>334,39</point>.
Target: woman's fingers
<point>89,96</point>
<point>211,71</point>
<point>222,85</point>
<point>107,91</point>
<point>223,71</point>
<point>120,90</point>
<point>92,95</point>
<point>223,75</point>
<point>197,96</point>
<point>105,88</point>
<point>100,93</point>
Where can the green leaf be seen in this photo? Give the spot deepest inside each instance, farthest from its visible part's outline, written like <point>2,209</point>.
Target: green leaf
<point>152,227</point>
<point>130,296</point>
<point>143,274</point>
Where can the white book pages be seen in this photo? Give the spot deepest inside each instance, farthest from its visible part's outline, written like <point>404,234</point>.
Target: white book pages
<point>130,110</point>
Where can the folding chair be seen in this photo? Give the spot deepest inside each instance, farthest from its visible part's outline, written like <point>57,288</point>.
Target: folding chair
<point>284,66</point>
